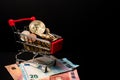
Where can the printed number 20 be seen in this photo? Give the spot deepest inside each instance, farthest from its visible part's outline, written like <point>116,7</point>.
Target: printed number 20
<point>34,76</point>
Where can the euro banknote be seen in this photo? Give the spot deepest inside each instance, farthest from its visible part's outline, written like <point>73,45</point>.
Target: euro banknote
<point>29,70</point>
<point>16,73</point>
<point>71,75</point>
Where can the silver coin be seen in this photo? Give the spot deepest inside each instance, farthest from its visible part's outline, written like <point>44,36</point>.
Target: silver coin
<point>24,35</point>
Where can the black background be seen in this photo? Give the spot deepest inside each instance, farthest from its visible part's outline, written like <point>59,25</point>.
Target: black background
<point>67,18</point>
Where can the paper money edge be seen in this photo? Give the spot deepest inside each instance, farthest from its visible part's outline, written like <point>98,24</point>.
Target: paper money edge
<point>23,72</point>
<point>76,74</point>
<point>11,73</point>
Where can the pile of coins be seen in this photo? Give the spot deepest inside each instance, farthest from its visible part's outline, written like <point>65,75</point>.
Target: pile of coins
<point>37,27</point>
<point>27,36</point>
<point>31,37</point>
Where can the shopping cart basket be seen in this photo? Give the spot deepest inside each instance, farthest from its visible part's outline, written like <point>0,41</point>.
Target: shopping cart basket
<point>40,47</point>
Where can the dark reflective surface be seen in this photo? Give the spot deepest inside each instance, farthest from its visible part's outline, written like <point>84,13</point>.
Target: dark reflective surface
<point>67,18</point>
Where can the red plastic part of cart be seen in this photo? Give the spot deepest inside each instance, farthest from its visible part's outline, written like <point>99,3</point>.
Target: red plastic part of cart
<point>12,22</point>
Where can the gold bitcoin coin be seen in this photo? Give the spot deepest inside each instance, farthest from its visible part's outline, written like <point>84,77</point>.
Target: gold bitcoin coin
<point>37,27</point>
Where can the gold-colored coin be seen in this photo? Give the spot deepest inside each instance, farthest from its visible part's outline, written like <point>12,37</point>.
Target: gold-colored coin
<point>32,37</point>
<point>37,27</point>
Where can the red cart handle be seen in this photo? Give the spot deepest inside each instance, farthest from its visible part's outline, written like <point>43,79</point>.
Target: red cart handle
<point>12,22</point>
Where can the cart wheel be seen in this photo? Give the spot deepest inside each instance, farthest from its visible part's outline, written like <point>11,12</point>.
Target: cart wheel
<point>43,68</point>
<point>54,64</point>
<point>46,69</point>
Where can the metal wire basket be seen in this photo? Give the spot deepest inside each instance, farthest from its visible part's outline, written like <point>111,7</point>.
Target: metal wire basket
<point>40,46</point>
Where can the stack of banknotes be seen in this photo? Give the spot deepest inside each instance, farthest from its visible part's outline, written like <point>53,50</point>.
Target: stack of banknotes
<point>63,70</point>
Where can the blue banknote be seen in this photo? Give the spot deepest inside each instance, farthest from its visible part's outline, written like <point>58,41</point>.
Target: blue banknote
<point>32,71</point>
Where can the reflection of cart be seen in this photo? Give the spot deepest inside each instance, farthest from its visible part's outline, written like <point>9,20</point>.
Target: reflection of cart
<point>40,46</point>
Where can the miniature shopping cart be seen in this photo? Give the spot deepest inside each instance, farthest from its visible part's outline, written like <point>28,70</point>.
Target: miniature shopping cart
<point>40,47</point>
